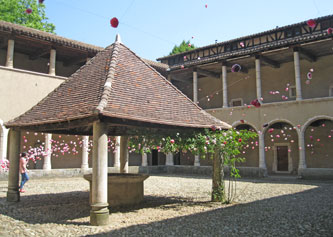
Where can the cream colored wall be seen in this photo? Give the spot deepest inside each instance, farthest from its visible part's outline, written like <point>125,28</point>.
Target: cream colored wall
<point>251,155</point>
<point>276,79</point>
<point>241,85</point>
<point>211,88</point>
<point>20,90</point>
<point>22,61</point>
<point>319,153</point>
<point>322,77</point>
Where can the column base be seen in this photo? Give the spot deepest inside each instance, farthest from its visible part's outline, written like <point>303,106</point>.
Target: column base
<point>99,214</point>
<point>262,172</point>
<point>13,196</point>
<point>196,160</point>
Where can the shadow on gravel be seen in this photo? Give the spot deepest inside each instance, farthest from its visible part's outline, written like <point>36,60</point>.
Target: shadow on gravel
<point>308,213</point>
<point>63,208</point>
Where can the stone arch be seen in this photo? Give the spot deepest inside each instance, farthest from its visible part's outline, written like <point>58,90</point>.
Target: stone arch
<point>274,121</point>
<point>313,119</point>
<point>317,134</point>
<point>251,150</point>
<point>281,146</point>
<point>237,123</point>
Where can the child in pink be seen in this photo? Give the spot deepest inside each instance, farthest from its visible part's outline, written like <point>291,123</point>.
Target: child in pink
<point>23,171</point>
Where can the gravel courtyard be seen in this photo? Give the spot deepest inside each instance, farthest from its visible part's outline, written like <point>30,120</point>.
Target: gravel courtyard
<point>174,206</point>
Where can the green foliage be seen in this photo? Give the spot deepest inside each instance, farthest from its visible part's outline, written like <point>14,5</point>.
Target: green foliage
<point>15,11</point>
<point>183,47</point>
<point>228,142</point>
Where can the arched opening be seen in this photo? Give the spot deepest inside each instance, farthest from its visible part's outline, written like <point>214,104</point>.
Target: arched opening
<point>251,150</point>
<point>281,148</point>
<point>318,143</point>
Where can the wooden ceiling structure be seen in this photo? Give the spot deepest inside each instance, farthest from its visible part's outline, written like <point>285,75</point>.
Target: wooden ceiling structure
<point>273,47</point>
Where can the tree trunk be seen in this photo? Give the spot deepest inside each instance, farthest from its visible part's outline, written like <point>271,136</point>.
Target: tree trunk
<point>218,189</point>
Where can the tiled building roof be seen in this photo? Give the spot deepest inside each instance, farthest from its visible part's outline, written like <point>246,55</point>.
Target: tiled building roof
<point>10,28</point>
<point>116,83</point>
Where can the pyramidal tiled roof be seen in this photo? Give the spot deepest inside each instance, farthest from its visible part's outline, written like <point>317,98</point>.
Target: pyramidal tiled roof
<point>117,83</point>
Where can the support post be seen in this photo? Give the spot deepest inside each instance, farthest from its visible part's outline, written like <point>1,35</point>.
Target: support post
<point>85,153</point>
<point>297,75</point>
<point>124,154</point>
<point>52,67</point>
<point>10,54</point>
<point>144,158</point>
<point>262,158</point>
<point>301,148</point>
<point>169,159</point>
<point>99,214</point>
<point>3,142</point>
<point>117,153</point>
<point>48,151</point>
<point>225,86</point>
<point>258,78</point>
<point>13,194</point>
<point>195,86</point>
<point>197,160</point>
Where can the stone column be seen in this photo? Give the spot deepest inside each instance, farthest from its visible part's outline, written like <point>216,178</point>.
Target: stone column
<point>297,75</point>
<point>124,154</point>
<point>117,153</point>
<point>301,148</point>
<point>3,142</point>
<point>224,86</point>
<point>13,194</point>
<point>262,158</point>
<point>169,159</point>
<point>52,62</point>
<point>85,153</point>
<point>258,78</point>
<point>48,152</point>
<point>195,87</point>
<point>197,160</point>
<point>99,214</point>
<point>10,54</point>
<point>144,158</point>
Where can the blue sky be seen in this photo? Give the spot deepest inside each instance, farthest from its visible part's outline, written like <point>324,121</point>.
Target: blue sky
<point>152,27</point>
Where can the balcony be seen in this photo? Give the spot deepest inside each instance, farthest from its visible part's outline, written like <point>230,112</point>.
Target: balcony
<point>293,112</point>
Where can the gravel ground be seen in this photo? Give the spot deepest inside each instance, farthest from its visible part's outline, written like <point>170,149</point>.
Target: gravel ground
<point>174,206</point>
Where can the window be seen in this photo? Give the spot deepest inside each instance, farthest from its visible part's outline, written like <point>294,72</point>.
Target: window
<point>292,92</point>
<point>236,102</point>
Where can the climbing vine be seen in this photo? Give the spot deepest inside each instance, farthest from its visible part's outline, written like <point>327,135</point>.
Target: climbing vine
<point>223,145</point>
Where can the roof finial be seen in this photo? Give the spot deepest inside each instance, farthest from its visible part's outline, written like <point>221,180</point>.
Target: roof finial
<point>118,39</point>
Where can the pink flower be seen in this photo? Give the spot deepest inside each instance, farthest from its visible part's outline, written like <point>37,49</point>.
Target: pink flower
<point>172,141</point>
<point>114,22</point>
<point>311,23</point>
<point>28,11</point>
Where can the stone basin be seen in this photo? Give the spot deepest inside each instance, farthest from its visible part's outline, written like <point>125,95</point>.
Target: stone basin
<point>123,188</point>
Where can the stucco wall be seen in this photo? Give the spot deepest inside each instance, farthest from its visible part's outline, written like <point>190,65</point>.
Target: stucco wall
<point>319,146</point>
<point>20,90</point>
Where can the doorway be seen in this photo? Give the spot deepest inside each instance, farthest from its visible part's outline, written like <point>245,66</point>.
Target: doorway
<point>282,158</point>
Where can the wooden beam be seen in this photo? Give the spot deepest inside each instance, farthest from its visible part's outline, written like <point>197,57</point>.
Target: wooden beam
<point>307,55</point>
<point>269,61</point>
<point>208,73</point>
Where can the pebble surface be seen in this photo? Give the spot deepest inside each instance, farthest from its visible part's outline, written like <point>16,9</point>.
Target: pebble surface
<point>174,206</point>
